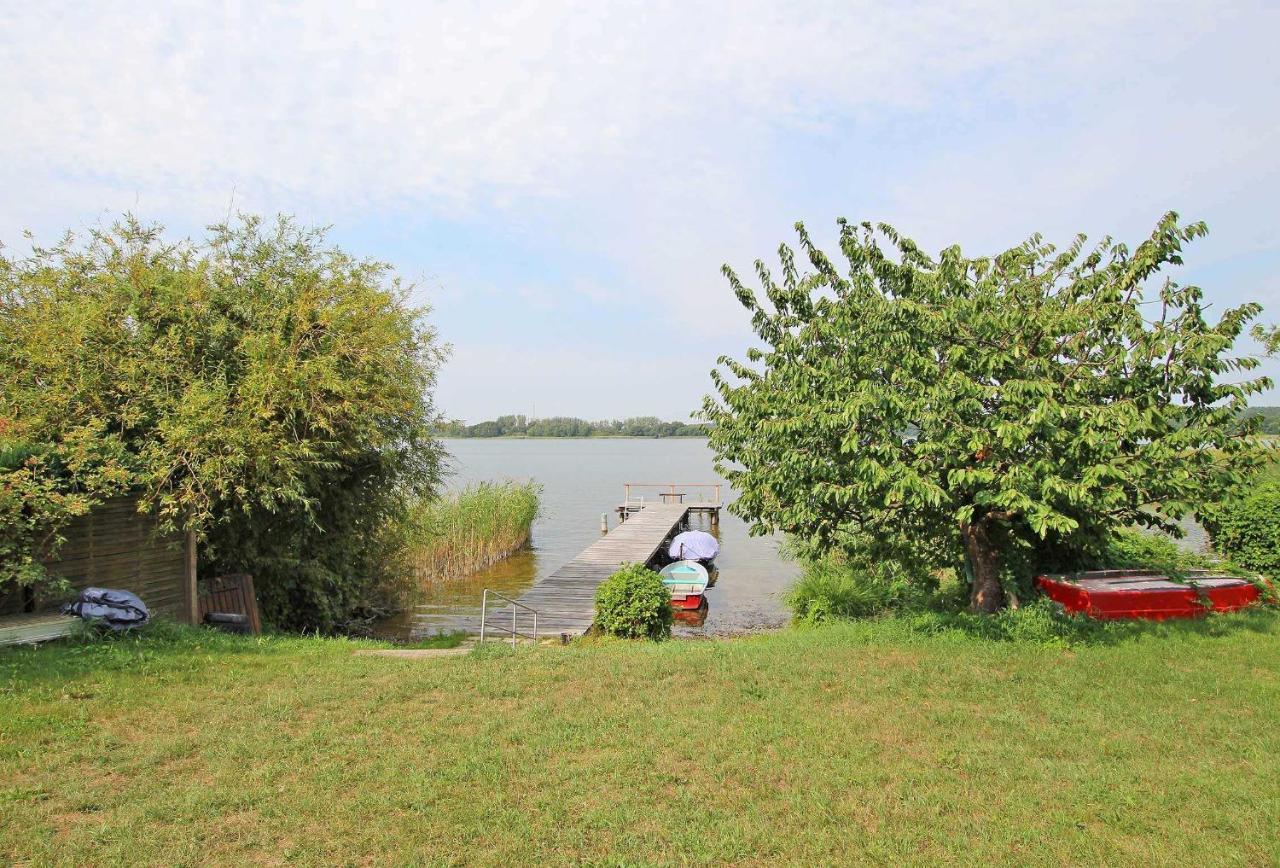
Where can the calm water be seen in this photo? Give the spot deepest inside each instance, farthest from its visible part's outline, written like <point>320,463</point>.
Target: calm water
<point>582,479</point>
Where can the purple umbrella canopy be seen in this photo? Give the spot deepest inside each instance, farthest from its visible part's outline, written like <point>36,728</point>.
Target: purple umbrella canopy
<point>694,545</point>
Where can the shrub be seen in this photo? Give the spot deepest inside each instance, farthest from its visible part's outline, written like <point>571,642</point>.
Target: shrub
<point>1246,528</point>
<point>1143,550</point>
<point>856,587</point>
<point>633,603</point>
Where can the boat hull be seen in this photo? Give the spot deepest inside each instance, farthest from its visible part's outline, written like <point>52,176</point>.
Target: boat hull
<point>689,602</point>
<point>1120,594</point>
<point>686,581</point>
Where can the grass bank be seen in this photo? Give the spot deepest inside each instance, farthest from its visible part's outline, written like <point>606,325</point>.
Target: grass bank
<point>462,533</point>
<point>917,740</point>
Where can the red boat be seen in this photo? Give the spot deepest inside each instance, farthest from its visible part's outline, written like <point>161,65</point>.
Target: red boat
<point>687,582</point>
<point>1147,594</point>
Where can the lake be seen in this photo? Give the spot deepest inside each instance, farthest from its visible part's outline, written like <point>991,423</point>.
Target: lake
<point>582,479</point>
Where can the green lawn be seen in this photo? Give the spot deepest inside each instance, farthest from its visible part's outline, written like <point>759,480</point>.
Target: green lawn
<point>873,742</point>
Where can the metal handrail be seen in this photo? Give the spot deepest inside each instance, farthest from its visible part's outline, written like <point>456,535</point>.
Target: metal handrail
<point>669,486</point>
<point>484,616</point>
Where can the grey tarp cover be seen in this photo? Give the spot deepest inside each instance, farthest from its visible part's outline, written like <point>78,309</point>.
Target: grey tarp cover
<point>694,545</point>
<point>118,609</point>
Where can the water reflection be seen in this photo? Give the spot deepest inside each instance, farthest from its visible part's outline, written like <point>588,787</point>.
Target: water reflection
<point>692,617</point>
<point>444,607</point>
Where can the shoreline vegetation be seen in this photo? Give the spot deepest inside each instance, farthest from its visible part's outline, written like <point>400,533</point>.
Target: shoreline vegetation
<point>1269,422</point>
<point>456,535</point>
<point>649,427</point>
<point>518,426</point>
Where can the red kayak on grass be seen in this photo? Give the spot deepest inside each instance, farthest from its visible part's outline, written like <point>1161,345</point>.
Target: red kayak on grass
<point>1109,594</point>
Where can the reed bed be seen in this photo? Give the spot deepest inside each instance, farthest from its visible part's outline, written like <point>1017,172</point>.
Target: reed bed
<point>455,536</point>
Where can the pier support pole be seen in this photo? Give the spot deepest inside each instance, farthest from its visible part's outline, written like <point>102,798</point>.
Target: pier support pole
<point>604,522</point>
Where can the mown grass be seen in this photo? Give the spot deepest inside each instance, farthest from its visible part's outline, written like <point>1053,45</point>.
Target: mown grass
<point>460,534</point>
<point>887,741</point>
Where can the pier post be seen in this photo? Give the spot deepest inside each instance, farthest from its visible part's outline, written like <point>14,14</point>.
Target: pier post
<point>604,522</point>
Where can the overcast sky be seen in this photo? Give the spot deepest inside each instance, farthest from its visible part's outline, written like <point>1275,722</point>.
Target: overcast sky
<point>564,180</point>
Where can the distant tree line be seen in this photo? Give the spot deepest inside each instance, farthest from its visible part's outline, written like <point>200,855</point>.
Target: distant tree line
<point>568,426</point>
<point>1269,423</point>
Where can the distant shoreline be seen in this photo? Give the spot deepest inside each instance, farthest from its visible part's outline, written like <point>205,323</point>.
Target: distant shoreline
<point>577,437</point>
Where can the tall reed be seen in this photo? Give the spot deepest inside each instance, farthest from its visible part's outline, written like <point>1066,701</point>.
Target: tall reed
<point>453,536</point>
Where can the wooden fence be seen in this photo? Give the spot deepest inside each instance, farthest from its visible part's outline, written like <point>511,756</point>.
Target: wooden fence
<point>115,546</point>
<point>232,595</point>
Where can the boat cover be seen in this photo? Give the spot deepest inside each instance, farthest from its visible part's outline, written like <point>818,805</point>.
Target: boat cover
<point>117,609</point>
<point>694,545</point>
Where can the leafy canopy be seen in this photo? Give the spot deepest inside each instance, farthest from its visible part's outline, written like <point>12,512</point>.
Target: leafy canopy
<point>1039,398</point>
<point>268,391</point>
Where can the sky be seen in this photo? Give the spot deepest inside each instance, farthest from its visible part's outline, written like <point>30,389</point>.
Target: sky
<point>562,181</point>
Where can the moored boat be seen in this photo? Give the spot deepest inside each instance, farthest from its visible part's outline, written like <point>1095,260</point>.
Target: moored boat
<point>686,581</point>
<point>1111,594</point>
<point>694,545</point>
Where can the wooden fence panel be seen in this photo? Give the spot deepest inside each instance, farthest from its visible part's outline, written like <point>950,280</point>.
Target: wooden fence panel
<point>115,546</point>
<point>233,595</point>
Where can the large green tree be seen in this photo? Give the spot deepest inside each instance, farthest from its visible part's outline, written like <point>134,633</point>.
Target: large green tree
<point>259,386</point>
<point>981,409</point>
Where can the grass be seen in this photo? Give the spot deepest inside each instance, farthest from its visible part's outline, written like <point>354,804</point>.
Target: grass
<point>436,641</point>
<point>920,739</point>
<point>454,536</point>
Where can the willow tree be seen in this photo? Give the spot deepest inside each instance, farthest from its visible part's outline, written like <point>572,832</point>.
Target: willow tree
<point>975,407</point>
<point>259,387</point>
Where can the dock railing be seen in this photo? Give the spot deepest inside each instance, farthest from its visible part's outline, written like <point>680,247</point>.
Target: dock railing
<point>671,490</point>
<point>515,606</point>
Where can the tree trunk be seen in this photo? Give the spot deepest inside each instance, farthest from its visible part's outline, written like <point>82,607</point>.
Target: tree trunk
<point>986,596</point>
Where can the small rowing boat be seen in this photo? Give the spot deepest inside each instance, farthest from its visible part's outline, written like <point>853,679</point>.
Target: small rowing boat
<point>686,581</point>
<point>1110,594</point>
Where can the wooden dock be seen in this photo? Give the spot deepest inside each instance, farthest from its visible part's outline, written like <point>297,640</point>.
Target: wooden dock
<point>637,495</point>
<point>565,600</point>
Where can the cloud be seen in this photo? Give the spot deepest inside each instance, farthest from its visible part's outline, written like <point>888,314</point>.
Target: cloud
<point>346,108</point>
<point>641,145</point>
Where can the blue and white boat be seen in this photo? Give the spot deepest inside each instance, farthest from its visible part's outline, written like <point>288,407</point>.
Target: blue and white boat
<point>686,581</point>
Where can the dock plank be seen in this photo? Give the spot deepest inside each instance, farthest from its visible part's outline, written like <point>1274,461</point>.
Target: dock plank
<point>565,600</point>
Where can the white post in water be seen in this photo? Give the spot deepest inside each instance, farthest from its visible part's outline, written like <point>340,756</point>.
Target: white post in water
<point>604,522</point>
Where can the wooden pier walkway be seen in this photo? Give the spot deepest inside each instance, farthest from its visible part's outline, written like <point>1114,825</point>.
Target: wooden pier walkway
<point>565,600</point>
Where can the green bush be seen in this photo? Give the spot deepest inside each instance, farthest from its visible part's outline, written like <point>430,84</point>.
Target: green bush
<point>844,587</point>
<point>1246,528</point>
<point>1144,550</point>
<point>634,604</point>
